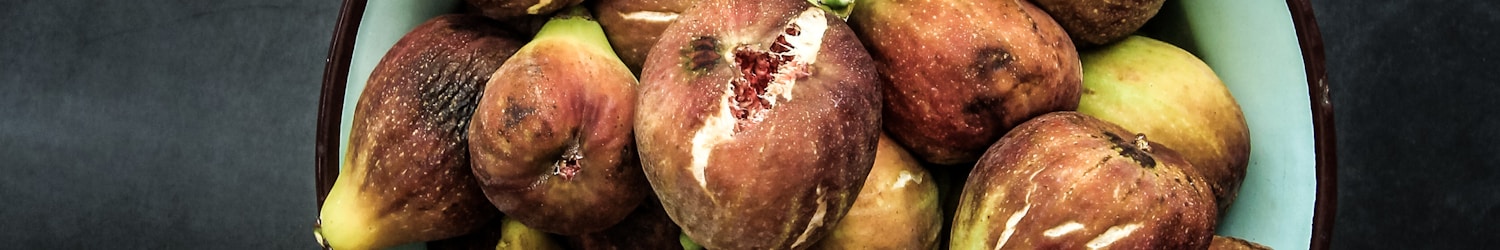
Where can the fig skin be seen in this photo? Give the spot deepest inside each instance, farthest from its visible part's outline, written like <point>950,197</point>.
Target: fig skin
<point>407,176</point>
<point>647,228</point>
<point>633,26</point>
<point>511,9</point>
<point>483,238</point>
<point>1068,180</point>
<point>1097,22</point>
<point>896,209</point>
<point>778,183</point>
<point>1232,243</point>
<point>552,139</point>
<point>515,235</point>
<point>959,74</point>
<point>1153,87</point>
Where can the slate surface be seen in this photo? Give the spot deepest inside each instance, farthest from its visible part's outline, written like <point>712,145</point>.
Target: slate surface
<point>159,124</point>
<point>1415,87</point>
<point>189,124</point>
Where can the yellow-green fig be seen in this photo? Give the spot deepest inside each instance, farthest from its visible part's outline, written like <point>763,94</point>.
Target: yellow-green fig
<point>517,236</point>
<point>1152,87</point>
<point>896,209</point>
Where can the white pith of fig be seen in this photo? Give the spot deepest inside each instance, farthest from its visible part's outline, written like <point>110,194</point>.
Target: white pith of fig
<point>757,122</point>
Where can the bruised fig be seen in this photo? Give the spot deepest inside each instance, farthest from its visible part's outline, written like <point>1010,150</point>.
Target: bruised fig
<point>959,74</point>
<point>552,140</point>
<point>757,123</point>
<point>407,177</point>
<point>1066,180</point>
<point>633,26</point>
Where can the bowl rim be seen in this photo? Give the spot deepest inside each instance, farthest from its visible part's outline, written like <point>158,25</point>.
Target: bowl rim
<point>1309,38</point>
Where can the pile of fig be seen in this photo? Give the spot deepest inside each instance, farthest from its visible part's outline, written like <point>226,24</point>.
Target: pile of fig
<point>789,124</point>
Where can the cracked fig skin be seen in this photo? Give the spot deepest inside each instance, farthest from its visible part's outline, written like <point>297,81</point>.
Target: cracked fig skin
<point>510,9</point>
<point>758,122</point>
<point>1153,87</point>
<point>1066,180</point>
<point>552,141</point>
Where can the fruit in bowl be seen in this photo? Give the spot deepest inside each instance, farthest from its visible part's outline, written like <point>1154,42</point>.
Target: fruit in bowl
<point>552,137</point>
<point>757,123</point>
<point>1276,174</point>
<point>896,209</point>
<point>1152,87</point>
<point>958,74</point>
<point>1069,180</point>
<point>407,177</point>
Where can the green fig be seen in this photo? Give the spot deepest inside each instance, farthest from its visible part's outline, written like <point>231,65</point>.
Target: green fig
<point>1152,87</point>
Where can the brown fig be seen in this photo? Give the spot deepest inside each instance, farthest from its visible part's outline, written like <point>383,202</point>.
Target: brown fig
<point>633,26</point>
<point>552,141</point>
<point>407,177</point>
<point>758,122</point>
<point>648,228</point>
<point>959,74</point>
<point>512,9</point>
<point>1097,22</point>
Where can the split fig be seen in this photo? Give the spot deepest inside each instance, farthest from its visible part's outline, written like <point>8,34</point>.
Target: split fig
<point>758,122</point>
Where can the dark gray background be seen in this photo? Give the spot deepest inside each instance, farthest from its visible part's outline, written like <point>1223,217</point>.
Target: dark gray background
<point>189,124</point>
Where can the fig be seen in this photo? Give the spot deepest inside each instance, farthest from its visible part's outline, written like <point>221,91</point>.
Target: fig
<point>958,74</point>
<point>633,26</point>
<point>552,140</point>
<point>1066,180</point>
<point>1152,87</point>
<point>515,235</point>
<point>758,122</point>
<point>1097,22</point>
<point>1232,243</point>
<point>647,228</point>
<point>483,238</point>
<point>512,9</point>
<point>407,175</point>
<point>896,209</point>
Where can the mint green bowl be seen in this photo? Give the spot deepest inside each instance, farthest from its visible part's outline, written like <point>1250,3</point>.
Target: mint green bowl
<point>1268,52</point>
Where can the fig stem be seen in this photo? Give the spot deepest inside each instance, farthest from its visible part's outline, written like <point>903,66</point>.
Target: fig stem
<point>1140,142</point>
<point>577,26</point>
<point>840,8</point>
